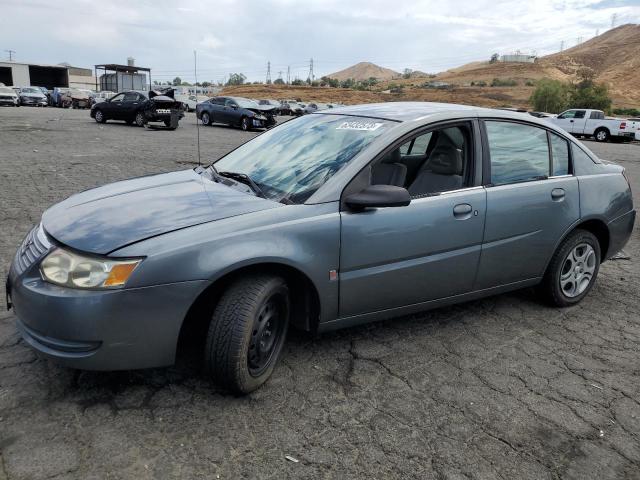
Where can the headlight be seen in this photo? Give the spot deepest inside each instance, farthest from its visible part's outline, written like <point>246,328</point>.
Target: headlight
<point>70,269</point>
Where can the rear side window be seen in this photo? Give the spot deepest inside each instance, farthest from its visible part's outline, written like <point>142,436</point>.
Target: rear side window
<point>560,150</point>
<point>417,146</point>
<point>596,115</point>
<point>518,152</point>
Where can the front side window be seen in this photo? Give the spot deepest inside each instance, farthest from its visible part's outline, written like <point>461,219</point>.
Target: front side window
<point>292,161</point>
<point>118,98</point>
<point>130,97</point>
<point>519,153</point>
<point>560,151</point>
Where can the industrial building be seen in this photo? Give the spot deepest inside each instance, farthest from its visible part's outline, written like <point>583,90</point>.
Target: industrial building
<point>518,58</point>
<point>49,76</point>
<point>116,78</point>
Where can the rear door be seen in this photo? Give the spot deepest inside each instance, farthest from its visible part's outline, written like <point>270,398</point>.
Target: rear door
<point>532,199</point>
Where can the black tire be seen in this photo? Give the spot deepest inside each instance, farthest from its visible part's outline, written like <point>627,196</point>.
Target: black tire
<point>99,116</point>
<point>167,123</point>
<point>205,118</point>
<point>129,122</point>
<point>562,270</point>
<point>247,331</point>
<point>602,135</point>
<point>140,120</point>
<point>244,124</point>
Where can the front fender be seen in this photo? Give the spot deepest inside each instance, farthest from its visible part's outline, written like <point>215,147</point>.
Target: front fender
<point>303,237</point>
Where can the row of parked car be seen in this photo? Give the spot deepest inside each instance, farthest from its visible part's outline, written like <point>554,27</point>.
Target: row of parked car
<point>57,97</point>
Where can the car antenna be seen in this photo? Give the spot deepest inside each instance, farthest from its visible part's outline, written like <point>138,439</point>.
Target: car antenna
<point>195,74</point>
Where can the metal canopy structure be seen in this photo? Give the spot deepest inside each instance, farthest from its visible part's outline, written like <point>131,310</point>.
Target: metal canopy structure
<point>115,68</point>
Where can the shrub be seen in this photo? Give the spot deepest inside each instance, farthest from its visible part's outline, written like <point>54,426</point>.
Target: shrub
<point>499,82</point>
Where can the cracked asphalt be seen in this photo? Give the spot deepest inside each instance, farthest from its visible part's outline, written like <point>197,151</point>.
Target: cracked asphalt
<point>500,388</point>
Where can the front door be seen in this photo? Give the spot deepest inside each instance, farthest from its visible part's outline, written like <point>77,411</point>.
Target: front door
<point>531,202</point>
<point>394,257</point>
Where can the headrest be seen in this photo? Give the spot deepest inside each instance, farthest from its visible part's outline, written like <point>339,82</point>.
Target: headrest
<point>392,157</point>
<point>446,160</point>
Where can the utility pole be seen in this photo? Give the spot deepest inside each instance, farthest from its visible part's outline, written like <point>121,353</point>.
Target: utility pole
<point>562,45</point>
<point>280,74</point>
<point>613,20</point>
<point>268,72</point>
<point>311,70</point>
<point>597,32</point>
<point>288,74</point>
<point>10,52</point>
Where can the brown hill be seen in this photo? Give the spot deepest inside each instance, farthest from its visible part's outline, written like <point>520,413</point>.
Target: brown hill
<point>364,71</point>
<point>614,58</point>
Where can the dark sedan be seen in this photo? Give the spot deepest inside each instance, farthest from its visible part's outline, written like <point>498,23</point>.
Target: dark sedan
<point>237,112</point>
<point>140,107</point>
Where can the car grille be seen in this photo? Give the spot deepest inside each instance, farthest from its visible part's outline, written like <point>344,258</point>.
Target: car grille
<point>33,248</point>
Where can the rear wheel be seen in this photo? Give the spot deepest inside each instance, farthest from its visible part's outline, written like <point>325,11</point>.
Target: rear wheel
<point>573,269</point>
<point>602,135</point>
<point>140,120</point>
<point>247,332</point>
<point>205,118</point>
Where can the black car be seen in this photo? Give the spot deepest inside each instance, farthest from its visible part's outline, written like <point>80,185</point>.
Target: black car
<point>140,107</point>
<point>237,112</point>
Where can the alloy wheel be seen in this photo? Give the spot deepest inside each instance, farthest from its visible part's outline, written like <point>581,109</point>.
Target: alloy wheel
<point>205,119</point>
<point>99,116</point>
<point>140,119</point>
<point>578,270</point>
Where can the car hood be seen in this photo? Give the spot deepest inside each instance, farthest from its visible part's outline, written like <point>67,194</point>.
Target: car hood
<point>262,109</point>
<point>105,219</point>
<point>33,95</point>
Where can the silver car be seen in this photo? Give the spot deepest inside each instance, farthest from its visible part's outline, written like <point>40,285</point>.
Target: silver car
<point>327,221</point>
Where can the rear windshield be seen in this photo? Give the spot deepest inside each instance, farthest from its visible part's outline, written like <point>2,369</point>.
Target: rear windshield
<point>296,158</point>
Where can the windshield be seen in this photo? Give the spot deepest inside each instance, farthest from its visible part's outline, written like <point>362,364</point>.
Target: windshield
<point>292,161</point>
<point>246,103</point>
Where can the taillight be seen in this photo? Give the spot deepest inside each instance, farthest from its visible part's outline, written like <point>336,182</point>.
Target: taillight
<point>623,125</point>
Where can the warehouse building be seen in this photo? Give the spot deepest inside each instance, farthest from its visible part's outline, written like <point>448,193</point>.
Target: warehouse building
<point>49,76</point>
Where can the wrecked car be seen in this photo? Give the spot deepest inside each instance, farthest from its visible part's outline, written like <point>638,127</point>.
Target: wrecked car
<point>236,111</point>
<point>8,96</point>
<point>32,96</point>
<point>140,108</point>
<point>76,98</point>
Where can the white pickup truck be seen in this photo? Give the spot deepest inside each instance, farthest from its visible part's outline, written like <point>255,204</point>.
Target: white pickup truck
<point>593,123</point>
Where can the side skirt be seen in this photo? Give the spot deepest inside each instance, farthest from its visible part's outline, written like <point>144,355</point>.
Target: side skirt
<point>345,322</point>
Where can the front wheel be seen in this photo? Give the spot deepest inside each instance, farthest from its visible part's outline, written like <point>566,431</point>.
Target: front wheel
<point>247,332</point>
<point>244,124</point>
<point>205,118</point>
<point>573,269</point>
<point>99,116</point>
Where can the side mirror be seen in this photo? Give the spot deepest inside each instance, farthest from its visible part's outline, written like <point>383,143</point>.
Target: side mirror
<point>235,107</point>
<point>379,196</point>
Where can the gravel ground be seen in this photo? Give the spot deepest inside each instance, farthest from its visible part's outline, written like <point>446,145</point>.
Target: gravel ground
<point>497,388</point>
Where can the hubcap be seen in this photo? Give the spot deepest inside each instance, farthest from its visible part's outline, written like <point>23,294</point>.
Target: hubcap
<point>205,119</point>
<point>601,135</point>
<point>578,270</point>
<point>99,116</point>
<point>140,119</point>
<point>268,328</point>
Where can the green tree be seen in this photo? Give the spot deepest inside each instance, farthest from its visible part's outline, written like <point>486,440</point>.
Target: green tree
<point>236,79</point>
<point>407,73</point>
<point>297,81</point>
<point>494,58</point>
<point>550,96</point>
<point>590,95</point>
<point>177,81</point>
<point>278,81</point>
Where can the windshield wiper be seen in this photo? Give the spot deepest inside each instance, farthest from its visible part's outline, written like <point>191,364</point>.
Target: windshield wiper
<point>244,178</point>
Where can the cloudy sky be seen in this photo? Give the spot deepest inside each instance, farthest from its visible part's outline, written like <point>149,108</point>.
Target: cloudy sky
<point>242,35</point>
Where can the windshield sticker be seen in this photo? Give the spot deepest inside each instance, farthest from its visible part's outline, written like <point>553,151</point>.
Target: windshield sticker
<point>368,126</point>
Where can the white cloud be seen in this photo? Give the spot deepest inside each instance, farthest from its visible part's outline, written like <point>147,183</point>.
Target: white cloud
<point>211,42</point>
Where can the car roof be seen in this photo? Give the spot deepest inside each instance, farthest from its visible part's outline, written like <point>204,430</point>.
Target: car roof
<point>408,111</point>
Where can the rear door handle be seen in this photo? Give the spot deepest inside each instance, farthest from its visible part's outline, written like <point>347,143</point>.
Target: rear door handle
<point>557,194</point>
<point>462,211</point>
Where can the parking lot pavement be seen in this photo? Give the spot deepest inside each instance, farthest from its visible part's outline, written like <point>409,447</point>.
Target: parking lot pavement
<point>498,388</point>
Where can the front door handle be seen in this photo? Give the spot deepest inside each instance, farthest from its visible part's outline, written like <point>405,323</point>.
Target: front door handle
<point>570,121</point>
<point>462,211</point>
<point>557,194</point>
